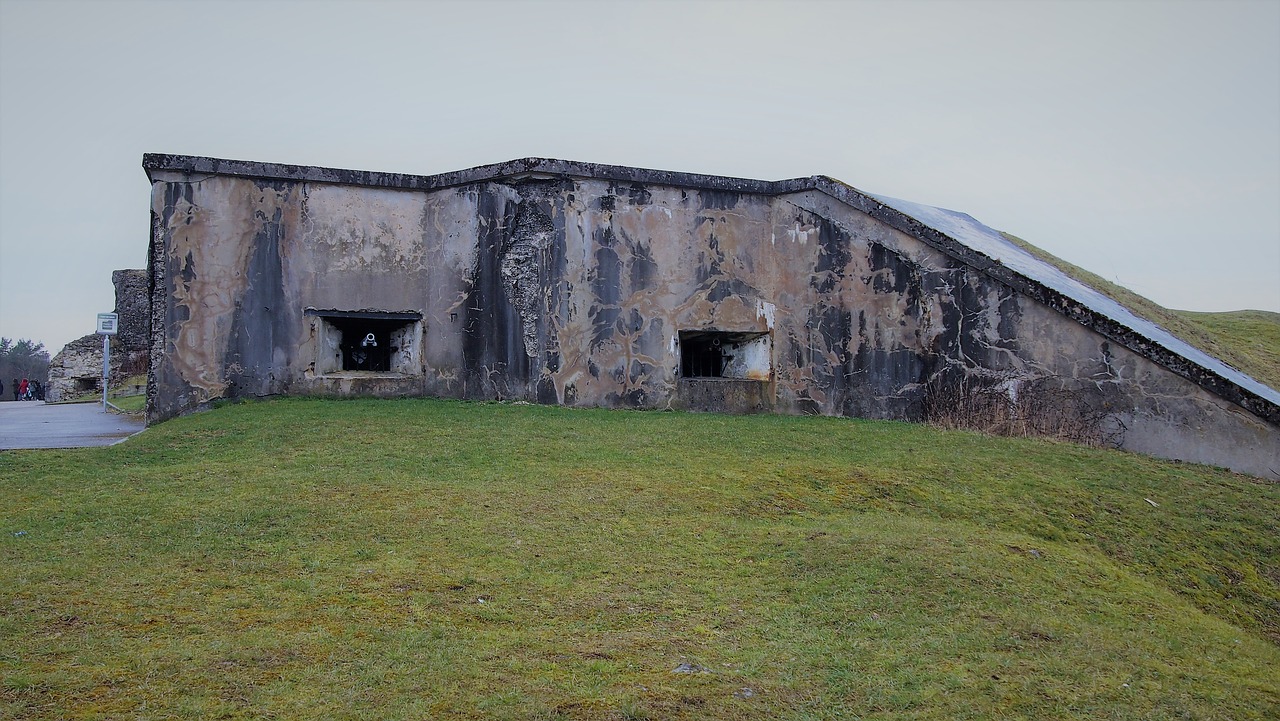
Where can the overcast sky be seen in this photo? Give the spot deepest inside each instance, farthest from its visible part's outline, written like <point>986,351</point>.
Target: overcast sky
<point>1140,140</point>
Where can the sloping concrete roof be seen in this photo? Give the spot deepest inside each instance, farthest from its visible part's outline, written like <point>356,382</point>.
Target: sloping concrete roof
<point>994,245</point>
<point>953,233</point>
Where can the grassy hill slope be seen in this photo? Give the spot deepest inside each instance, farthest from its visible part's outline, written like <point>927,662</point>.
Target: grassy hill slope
<point>433,559</point>
<point>1248,340</point>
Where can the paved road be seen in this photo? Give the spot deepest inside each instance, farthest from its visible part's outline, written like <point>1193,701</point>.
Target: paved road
<point>33,424</point>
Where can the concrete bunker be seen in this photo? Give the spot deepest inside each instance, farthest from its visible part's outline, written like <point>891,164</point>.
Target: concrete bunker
<point>581,284</point>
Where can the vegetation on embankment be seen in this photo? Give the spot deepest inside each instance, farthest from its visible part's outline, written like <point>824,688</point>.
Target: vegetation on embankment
<point>1248,340</point>
<point>436,559</point>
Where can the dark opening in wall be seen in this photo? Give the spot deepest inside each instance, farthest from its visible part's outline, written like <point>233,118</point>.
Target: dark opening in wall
<point>723,354</point>
<point>86,385</point>
<point>701,355</point>
<point>367,341</point>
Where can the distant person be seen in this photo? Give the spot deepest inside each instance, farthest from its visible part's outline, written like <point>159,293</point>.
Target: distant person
<point>1,389</point>
<point>37,390</point>
<point>15,389</point>
<point>22,390</point>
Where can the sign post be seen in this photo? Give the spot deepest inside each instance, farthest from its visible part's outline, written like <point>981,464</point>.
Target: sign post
<point>107,324</point>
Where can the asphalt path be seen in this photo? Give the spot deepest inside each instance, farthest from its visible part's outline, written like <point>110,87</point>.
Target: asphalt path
<point>35,424</point>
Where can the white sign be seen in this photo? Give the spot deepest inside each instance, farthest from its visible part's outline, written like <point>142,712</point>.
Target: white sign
<point>107,323</point>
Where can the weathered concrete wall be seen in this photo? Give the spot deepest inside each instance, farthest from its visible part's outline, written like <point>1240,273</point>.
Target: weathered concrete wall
<point>1161,414</point>
<point>577,290</point>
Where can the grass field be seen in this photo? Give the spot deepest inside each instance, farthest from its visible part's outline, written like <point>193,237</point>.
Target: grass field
<point>305,559</point>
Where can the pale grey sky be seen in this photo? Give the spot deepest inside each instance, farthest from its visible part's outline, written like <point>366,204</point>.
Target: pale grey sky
<point>1140,140</point>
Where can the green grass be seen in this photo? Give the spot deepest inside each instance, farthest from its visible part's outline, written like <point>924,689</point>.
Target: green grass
<point>305,559</point>
<point>1248,340</point>
<point>130,404</point>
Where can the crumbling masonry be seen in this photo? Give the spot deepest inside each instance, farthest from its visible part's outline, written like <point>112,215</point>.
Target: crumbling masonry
<point>77,369</point>
<point>587,285</point>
